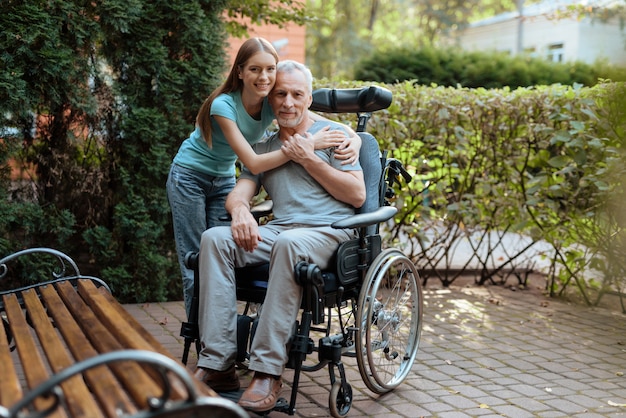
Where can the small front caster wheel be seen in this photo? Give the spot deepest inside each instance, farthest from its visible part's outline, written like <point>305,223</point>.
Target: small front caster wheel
<point>340,400</point>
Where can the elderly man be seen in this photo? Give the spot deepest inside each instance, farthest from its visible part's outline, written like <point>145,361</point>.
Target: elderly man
<point>309,192</point>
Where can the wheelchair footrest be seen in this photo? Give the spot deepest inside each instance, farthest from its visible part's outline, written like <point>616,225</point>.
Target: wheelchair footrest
<point>282,406</point>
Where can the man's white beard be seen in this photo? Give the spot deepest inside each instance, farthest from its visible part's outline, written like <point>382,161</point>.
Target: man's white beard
<point>289,123</point>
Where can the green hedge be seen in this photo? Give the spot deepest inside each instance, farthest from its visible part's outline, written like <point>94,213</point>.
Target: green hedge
<point>452,67</point>
<point>545,162</point>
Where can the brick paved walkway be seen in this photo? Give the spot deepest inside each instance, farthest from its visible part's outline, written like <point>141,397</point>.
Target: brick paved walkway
<point>485,352</point>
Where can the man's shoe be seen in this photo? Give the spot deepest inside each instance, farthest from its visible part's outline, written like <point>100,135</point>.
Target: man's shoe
<point>262,394</point>
<point>219,381</point>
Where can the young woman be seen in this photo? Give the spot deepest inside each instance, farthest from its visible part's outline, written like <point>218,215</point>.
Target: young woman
<point>233,118</point>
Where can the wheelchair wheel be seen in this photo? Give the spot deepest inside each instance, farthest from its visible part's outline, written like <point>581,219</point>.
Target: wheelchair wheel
<point>339,400</point>
<point>389,314</point>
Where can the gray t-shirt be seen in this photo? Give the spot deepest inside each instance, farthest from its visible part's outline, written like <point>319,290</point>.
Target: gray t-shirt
<point>298,198</point>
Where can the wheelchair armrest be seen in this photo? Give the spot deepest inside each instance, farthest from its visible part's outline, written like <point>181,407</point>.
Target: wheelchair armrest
<point>258,211</point>
<point>365,99</point>
<point>262,209</point>
<point>362,220</point>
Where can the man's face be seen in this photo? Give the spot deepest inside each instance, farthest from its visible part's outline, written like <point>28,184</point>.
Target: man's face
<point>290,98</point>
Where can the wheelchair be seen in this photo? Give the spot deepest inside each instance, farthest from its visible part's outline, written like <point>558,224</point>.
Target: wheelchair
<point>367,305</point>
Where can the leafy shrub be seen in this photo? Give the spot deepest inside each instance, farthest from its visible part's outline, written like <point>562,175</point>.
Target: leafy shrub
<point>451,67</point>
<point>546,162</point>
<point>101,94</point>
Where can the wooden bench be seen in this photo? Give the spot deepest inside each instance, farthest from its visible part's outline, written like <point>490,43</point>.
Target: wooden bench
<point>69,349</point>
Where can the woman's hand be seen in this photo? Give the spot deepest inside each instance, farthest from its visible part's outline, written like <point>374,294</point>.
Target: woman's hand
<point>346,147</point>
<point>328,138</point>
<point>348,150</point>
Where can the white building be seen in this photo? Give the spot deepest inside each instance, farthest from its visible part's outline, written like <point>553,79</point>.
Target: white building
<point>541,30</point>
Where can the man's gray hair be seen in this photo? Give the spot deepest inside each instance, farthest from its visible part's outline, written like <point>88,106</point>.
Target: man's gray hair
<point>289,66</point>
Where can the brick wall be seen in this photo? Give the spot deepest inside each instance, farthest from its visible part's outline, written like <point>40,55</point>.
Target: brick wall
<point>294,35</point>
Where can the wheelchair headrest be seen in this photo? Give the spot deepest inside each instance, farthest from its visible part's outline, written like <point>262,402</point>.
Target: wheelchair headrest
<point>365,99</point>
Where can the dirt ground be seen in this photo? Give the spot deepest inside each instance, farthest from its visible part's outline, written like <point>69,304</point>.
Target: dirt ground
<point>536,285</point>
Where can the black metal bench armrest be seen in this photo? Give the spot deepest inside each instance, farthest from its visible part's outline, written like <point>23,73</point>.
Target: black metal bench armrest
<point>159,406</point>
<point>65,261</point>
<point>362,220</point>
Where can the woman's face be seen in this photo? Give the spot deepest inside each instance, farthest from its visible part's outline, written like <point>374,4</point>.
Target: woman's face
<point>259,74</point>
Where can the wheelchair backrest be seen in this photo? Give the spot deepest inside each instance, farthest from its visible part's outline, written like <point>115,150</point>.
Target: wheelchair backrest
<point>372,164</point>
<point>361,101</point>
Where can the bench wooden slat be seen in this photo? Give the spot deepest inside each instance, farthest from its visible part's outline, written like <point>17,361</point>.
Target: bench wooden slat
<point>87,290</point>
<point>143,332</point>
<point>79,400</point>
<point>110,317</point>
<point>123,331</point>
<point>10,388</point>
<point>134,378</point>
<point>36,372</point>
<point>101,380</point>
<point>111,313</point>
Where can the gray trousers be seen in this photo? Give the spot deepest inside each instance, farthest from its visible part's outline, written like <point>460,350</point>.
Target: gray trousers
<point>283,246</point>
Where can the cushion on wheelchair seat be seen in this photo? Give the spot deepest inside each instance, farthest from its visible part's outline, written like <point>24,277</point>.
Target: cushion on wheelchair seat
<point>252,282</point>
<point>343,271</point>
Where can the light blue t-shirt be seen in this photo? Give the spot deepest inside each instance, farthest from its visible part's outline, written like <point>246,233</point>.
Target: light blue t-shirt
<point>219,161</point>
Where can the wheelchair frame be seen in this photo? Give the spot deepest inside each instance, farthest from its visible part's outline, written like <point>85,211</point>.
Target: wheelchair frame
<point>376,293</point>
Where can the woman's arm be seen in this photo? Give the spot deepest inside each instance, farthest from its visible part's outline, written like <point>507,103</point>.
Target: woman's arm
<point>254,162</point>
<point>347,148</point>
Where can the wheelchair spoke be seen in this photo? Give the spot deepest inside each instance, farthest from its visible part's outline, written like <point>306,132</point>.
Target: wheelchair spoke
<point>390,321</point>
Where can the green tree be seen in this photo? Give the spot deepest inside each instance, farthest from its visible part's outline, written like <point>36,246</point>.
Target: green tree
<point>275,12</point>
<point>95,98</point>
<point>341,32</point>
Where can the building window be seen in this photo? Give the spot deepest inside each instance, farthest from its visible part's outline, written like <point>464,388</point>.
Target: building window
<point>530,52</point>
<point>555,53</point>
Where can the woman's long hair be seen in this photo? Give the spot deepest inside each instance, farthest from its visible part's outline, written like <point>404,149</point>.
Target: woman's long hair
<point>232,83</point>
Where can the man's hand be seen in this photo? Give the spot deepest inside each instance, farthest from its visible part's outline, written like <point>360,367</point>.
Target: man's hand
<point>299,148</point>
<point>245,229</point>
<point>243,226</point>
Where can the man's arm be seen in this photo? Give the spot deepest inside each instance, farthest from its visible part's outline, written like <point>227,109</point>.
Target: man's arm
<point>244,226</point>
<point>345,186</point>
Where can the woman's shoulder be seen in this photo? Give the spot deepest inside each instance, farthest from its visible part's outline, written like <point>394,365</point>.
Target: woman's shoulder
<point>231,98</point>
<point>225,102</point>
